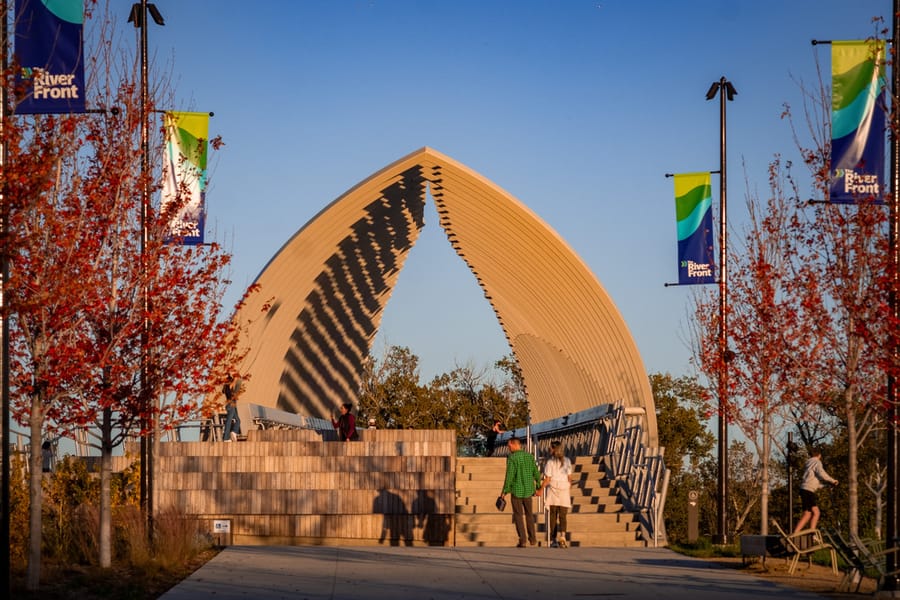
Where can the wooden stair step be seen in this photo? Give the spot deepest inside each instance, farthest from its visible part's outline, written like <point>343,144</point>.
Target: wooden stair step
<point>597,517</point>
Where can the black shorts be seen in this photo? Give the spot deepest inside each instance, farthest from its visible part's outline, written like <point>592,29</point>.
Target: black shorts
<point>807,500</point>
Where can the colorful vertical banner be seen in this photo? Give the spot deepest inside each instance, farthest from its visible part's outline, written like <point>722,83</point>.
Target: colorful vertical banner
<point>857,121</point>
<point>49,53</point>
<point>184,175</point>
<point>693,213</point>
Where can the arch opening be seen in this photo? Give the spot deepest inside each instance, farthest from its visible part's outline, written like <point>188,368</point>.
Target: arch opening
<point>328,287</point>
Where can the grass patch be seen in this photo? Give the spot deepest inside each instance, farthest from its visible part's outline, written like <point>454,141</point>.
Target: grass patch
<point>145,582</point>
<point>704,548</point>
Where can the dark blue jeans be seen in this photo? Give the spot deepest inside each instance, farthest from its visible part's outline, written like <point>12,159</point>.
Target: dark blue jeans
<point>232,421</point>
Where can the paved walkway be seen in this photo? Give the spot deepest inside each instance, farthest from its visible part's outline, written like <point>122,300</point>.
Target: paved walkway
<point>435,573</point>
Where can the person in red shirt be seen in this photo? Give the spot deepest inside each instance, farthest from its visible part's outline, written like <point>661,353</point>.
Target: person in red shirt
<point>345,424</point>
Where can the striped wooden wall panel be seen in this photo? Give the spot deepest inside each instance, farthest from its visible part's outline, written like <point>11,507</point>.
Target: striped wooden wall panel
<point>290,487</point>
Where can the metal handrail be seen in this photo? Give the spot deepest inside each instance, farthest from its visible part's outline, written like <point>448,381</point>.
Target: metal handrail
<point>614,433</point>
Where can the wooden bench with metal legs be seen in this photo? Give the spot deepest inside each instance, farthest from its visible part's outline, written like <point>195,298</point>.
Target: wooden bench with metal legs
<point>805,543</point>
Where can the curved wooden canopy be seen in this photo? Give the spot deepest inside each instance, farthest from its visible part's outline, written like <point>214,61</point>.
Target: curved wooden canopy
<point>322,296</point>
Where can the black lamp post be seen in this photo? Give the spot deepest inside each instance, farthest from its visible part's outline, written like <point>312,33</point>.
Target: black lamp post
<point>890,535</point>
<point>138,16</point>
<point>4,325</point>
<point>726,91</point>
<point>790,453</point>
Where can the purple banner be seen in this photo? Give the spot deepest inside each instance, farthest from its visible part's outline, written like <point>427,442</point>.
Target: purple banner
<point>48,52</point>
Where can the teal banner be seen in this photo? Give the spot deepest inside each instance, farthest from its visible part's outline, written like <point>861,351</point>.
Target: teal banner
<point>857,121</point>
<point>693,214</point>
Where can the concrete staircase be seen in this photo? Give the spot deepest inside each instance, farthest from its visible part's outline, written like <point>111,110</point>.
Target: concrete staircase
<point>595,520</point>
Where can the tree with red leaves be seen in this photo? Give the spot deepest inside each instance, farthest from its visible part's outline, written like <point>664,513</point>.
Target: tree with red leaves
<point>43,316</point>
<point>840,291</point>
<point>808,318</point>
<point>106,335</point>
<point>763,334</point>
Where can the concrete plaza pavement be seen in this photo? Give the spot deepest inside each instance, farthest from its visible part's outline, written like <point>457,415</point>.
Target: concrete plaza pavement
<point>445,573</point>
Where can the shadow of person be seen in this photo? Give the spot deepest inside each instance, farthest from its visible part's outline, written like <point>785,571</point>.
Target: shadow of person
<point>395,524</point>
<point>435,527</point>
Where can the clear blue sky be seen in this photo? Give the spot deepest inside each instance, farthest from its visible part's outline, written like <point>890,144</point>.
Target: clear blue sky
<point>578,108</point>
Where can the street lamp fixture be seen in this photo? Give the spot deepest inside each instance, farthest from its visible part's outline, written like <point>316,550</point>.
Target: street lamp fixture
<point>136,15</point>
<point>730,92</point>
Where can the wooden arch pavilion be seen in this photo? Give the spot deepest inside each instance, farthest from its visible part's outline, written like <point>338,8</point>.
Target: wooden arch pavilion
<point>311,326</point>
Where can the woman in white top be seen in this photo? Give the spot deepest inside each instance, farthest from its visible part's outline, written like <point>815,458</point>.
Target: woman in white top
<point>556,483</point>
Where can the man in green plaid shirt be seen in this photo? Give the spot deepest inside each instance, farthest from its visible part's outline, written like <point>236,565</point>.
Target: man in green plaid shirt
<point>523,478</point>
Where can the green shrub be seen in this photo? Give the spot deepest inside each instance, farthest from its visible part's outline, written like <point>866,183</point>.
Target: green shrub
<point>68,525</point>
<point>19,501</point>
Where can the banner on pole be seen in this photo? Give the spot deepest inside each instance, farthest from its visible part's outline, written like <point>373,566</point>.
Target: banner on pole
<point>857,121</point>
<point>184,175</point>
<point>693,213</point>
<point>49,51</point>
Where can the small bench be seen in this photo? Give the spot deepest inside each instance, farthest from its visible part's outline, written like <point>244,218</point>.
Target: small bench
<point>761,546</point>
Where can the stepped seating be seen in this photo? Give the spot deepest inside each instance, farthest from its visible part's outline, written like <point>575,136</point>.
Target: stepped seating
<point>597,518</point>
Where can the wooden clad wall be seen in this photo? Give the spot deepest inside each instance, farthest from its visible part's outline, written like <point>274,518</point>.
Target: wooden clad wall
<point>290,487</point>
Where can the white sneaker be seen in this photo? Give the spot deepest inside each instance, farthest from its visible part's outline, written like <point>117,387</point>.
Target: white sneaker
<point>226,440</point>
<point>233,437</point>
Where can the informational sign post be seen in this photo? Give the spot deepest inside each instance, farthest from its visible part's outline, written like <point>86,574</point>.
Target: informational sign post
<point>693,531</point>
<point>222,532</point>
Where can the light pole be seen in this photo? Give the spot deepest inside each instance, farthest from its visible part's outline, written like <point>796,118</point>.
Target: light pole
<point>890,583</point>
<point>789,459</point>
<point>4,320</point>
<point>726,91</point>
<point>138,16</point>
